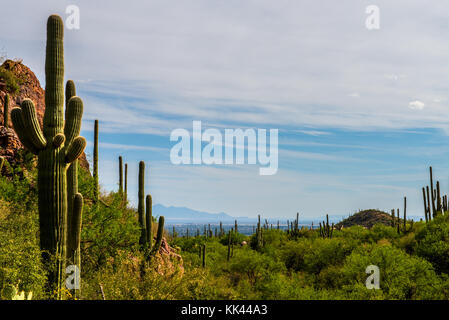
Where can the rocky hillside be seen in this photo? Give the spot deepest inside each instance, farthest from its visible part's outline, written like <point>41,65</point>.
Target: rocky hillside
<point>366,218</point>
<point>26,85</point>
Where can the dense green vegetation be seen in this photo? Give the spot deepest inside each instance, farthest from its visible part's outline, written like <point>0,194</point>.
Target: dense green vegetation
<point>306,265</point>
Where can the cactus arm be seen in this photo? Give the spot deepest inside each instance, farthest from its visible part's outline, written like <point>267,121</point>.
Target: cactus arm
<point>30,122</point>
<point>58,140</point>
<point>74,113</point>
<point>75,150</point>
<point>70,91</point>
<point>19,127</point>
<point>160,234</point>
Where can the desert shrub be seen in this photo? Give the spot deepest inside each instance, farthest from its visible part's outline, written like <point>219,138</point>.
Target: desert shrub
<point>381,231</point>
<point>432,243</point>
<point>401,276</point>
<point>107,230</point>
<point>357,233</point>
<point>253,266</point>
<point>20,257</point>
<point>11,81</point>
<point>313,255</point>
<point>236,238</point>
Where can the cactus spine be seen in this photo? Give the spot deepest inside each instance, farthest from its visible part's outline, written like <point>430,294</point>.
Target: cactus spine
<point>56,146</point>
<point>6,111</point>
<point>95,173</point>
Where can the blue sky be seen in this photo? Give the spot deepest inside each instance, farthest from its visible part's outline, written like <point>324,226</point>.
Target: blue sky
<point>361,114</point>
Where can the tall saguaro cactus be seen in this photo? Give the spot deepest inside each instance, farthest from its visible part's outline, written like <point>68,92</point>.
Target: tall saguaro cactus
<point>95,170</point>
<point>126,183</point>
<point>120,175</point>
<point>57,146</point>
<point>149,221</point>
<point>141,203</point>
<point>6,111</point>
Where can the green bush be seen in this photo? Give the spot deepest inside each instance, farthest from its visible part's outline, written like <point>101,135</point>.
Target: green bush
<point>433,243</point>
<point>11,81</point>
<point>401,276</point>
<point>313,255</point>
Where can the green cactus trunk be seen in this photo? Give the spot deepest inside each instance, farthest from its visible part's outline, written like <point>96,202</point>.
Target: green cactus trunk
<point>120,175</point>
<point>56,147</point>
<point>204,255</point>
<point>95,169</point>
<point>425,205</point>
<point>141,204</point>
<point>149,221</point>
<point>428,202</point>
<point>398,225</point>
<point>432,195</point>
<point>126,183</point>
<point>229,246</point>
<point>6,111</point>
<point>405,214</point>
<point>159,236</point>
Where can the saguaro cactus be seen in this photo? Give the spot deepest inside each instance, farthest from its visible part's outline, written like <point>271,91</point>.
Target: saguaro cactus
<point>120,175</point>
<point>6,111</point>
<point>126,182</point>
<point>229,246</point>
<point>149,221</point>
<point>56,146</point>
<point>95,173</point>
<point>204,255</point>
<point>141,204</point>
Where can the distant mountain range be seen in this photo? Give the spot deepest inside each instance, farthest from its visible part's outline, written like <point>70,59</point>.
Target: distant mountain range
<point>187,215</point>
<point>184,215</point>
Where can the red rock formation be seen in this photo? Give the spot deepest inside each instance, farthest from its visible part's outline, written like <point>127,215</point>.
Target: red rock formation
<point>29,87</point>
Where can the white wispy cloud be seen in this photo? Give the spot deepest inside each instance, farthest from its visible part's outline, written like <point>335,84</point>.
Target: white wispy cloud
<point>416,105</point>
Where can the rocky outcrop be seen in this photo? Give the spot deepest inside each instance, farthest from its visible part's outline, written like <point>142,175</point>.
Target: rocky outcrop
<point>29,88</point>
<point>169,261</point>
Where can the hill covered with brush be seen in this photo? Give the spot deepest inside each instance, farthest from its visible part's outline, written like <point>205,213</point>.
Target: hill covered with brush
<point>366,218</point>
